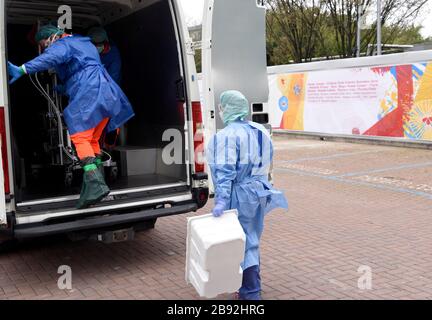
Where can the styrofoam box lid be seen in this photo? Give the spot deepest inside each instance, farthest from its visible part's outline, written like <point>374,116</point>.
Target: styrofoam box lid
<point>211,231</point>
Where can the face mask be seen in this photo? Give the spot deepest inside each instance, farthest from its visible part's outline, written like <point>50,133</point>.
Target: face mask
<point>50,41</point>
<point>100,48</point>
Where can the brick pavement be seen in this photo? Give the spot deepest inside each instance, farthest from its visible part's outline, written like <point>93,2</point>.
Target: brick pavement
<point>338,221</point>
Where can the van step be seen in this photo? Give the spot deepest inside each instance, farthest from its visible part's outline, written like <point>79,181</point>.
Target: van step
<point>100,222</point>
<point>34,208</point>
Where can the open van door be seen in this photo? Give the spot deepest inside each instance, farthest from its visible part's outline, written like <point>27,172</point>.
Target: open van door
<point>5,156</point>
<point>3,216</point>
<point>234,55</point>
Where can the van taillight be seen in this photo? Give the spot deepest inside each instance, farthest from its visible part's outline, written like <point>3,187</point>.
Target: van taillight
<point>4,150</point>
<point>198,136</point>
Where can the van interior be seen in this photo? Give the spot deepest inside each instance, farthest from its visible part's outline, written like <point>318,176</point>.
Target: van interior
<point>145,31</point>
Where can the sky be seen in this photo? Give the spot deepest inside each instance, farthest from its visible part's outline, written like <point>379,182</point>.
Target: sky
<point>194,10</point>
<point>426,20</point>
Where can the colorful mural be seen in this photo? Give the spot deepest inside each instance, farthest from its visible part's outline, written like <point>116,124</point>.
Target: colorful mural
<point>393,101</point>
<point>293,89</point>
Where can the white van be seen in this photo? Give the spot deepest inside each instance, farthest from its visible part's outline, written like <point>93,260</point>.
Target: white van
<point>42,182</point>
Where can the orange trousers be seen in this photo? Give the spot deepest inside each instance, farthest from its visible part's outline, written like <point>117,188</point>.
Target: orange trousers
<point>87,143</point>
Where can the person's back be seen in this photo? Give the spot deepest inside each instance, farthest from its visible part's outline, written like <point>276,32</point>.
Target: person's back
<point>248,146</point>
<point>83,50</point>
<point>239,157</point>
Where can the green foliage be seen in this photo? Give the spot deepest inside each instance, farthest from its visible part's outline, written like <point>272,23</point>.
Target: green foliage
<point>403,35</point>
<point>198,60</point>
<point>301,30</point>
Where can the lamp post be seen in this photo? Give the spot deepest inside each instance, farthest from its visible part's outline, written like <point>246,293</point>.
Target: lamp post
<point>379,34</point>
<point>359,17</point>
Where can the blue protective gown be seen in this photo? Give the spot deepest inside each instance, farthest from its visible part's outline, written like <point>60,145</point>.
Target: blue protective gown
<point>112,62</point>
<point>240,157</point>
<point>93,94</point>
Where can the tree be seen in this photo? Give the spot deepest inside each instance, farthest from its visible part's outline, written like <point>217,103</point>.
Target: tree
<point>343,19</point>
<point>396,15</point>
<point>299,30</point>
<point>295,27</point>
<point>406,35</point>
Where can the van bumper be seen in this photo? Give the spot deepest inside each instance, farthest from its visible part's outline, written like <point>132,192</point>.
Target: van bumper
<point>100,222</point>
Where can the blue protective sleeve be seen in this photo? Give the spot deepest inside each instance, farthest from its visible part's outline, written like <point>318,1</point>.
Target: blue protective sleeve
<point>54,56</point>
<point>222,158</point>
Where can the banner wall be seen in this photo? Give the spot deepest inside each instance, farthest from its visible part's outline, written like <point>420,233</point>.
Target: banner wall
<point>393,101</point>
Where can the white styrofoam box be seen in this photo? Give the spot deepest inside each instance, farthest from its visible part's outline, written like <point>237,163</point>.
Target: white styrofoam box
<point>214,251</point>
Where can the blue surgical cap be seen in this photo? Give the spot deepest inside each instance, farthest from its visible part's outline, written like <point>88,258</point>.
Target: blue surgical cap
<point>47,31</point>
<point>98,35</point>
<point>235,106</point>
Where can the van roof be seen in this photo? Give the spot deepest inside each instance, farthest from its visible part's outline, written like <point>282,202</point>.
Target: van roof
<point>85,12</point>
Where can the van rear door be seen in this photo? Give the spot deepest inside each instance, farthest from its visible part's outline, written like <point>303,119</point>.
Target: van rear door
<point>234,54</point>
<point>5,156</point>
<point>3,217</point>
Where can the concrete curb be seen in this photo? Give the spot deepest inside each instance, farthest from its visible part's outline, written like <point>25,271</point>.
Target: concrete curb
<point>382,141</point>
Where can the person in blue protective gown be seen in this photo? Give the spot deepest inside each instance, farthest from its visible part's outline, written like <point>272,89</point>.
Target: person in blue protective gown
<point>96,102</point>
<point>109,53</point>
<point>240,158</point>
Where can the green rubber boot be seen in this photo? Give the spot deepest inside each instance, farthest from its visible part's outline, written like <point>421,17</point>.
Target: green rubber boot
<point>99,163</point>
<point>94,188</point>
